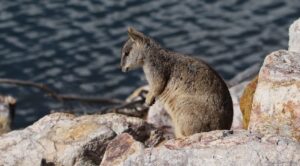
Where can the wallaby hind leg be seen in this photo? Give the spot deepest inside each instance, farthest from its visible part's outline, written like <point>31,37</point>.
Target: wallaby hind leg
<point>185,128</point>
<point>178,132</point>
<point>194,120</point>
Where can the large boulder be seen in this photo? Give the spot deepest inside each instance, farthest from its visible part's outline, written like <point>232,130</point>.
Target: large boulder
<point>294,34</point>
<point>209,148</point>
<point>64,139</point>
<point>276,102</point>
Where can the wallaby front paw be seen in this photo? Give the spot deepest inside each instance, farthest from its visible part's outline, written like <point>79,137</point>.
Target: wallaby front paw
<point>149,100</point>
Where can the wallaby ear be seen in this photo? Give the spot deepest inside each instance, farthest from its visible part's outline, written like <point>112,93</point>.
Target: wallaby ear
<point>136,36</point>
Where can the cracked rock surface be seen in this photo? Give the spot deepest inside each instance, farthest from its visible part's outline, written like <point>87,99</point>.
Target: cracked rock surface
<point>210,148</point>
<point>294,35</point>
<point>64,139</point>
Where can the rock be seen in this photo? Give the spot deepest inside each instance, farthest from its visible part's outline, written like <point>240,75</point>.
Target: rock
<point>236,92</point>
<point>64,139</point>
<point>159,117</point>
<point>294,35</point>
<point>120,148</point>
<point>276,102</point>
<point>7,108</point>
<point>209,148</point>
<point>246,101</point>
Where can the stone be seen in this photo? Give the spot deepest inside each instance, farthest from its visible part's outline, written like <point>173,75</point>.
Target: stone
<point>159,117</point>
<point>276,101</point>
<point>7,108</point>
<point>236,92</point>
<point>119,149</point>
<point>294,37</point>
<point>64,139</point>
<point>246,101</point>
<point>213,148</point>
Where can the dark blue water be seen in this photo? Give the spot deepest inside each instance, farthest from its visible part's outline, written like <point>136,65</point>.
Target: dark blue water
<point>74,46</point>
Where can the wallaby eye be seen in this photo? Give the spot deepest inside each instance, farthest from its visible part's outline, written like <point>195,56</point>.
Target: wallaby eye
<point>126,54</point>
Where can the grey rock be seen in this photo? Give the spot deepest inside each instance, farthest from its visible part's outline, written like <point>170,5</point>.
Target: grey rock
<point>219,148</point>
<point>64,139</point>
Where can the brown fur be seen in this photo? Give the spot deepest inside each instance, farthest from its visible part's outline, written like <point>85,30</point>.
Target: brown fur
<point>194,95</point>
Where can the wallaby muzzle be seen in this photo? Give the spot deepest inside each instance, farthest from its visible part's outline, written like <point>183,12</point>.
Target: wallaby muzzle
<point>125,69</point>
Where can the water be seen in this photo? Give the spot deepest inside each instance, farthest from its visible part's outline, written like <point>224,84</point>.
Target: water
<point>74,46</point>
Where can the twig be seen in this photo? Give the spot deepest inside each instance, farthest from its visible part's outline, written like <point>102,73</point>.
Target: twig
<point>57,96</point>
<point>32,84</point>
<point>130,104</point>
<point>90,99</point>
<point>116,109</point>
<point>133,108</point>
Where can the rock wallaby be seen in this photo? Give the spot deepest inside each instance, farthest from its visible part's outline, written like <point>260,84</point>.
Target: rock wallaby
<point>195,96</point>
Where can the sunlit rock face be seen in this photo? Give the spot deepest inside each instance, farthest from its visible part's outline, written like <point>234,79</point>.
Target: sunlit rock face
<point>276,103</point>
<point>294,35</point>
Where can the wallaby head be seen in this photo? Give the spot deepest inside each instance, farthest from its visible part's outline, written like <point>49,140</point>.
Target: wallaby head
<point>134,50</point>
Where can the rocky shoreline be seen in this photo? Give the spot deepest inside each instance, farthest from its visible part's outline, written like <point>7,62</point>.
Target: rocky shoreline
<point>265,130</point>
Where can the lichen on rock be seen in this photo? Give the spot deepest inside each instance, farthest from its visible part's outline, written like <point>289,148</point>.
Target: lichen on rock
<point>246,101</point>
